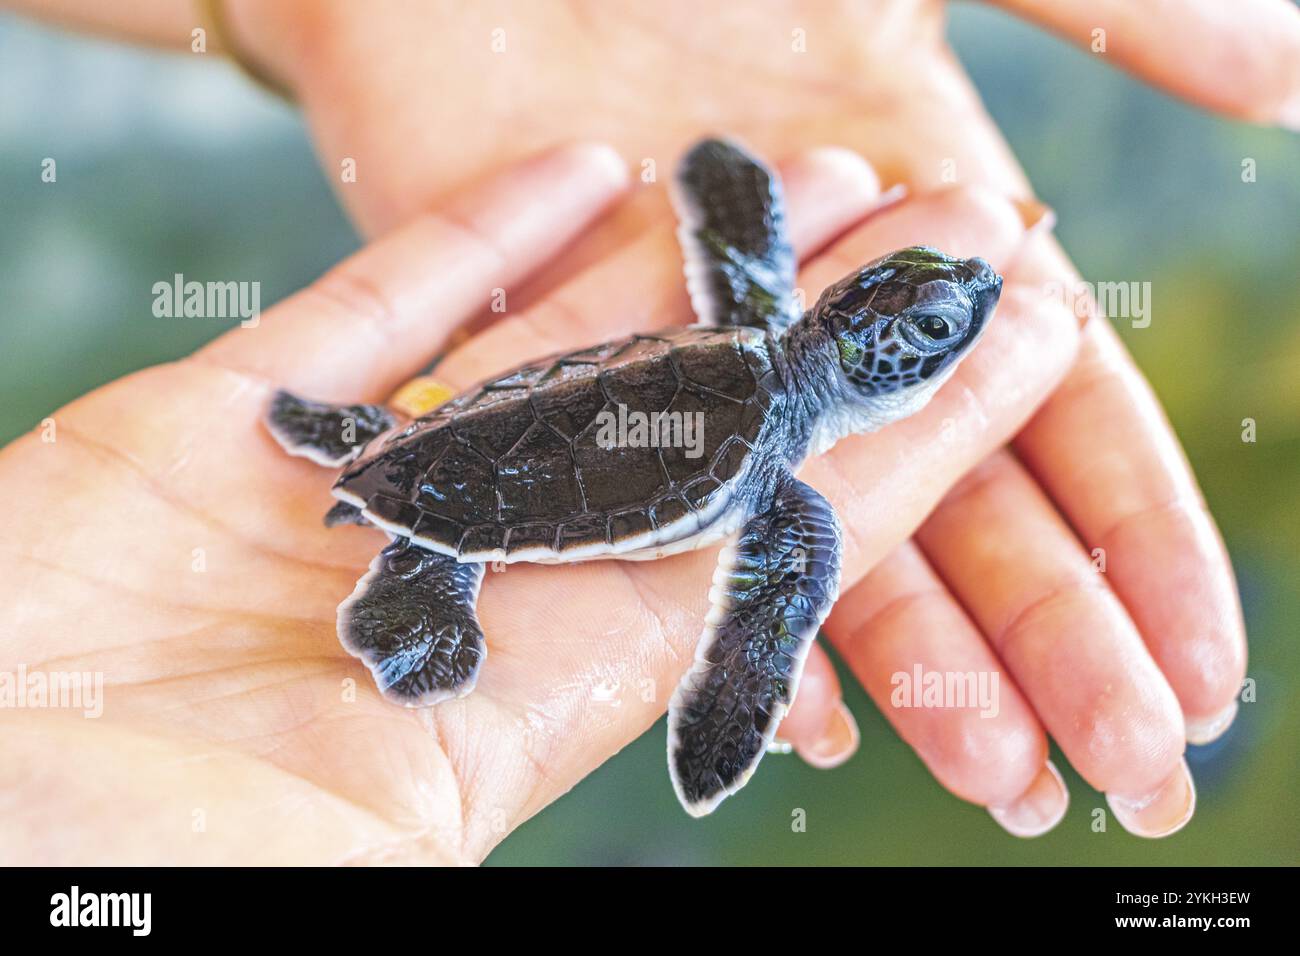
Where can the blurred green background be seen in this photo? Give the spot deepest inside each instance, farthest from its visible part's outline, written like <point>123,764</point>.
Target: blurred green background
<point>167,164</point>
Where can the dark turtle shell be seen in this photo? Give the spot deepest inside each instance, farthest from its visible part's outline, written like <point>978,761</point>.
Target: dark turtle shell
<point>522,466</point>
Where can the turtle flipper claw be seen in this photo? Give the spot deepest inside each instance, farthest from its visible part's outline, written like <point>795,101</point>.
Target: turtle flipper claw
<point>411,620</point>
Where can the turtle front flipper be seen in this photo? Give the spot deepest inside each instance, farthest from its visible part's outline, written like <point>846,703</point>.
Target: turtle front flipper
<point>345,512</point>
<point>771,592</point>
<point>411,620</point>
<point>330,435</point>
<point>740,266</point>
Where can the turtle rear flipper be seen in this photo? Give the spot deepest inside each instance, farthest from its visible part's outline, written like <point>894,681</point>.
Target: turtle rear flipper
<point>411,620</point>
<point>771,593</point>
<point>740,266</point>
<point>330,435</point>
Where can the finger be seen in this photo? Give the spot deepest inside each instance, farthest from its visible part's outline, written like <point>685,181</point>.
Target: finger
<point>819,725</point>
<point>377,318</point>
<point>1239,58</point>
<point>899,630</point>
<point>641,287</point>
<point>1103,449</point>
<point>1014,564</point>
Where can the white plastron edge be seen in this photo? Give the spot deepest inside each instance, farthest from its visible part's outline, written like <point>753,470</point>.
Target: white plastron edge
<point>681,535</point>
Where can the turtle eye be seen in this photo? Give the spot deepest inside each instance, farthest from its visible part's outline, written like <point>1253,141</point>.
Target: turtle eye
<point>850,351</point>
<point>933,327</point>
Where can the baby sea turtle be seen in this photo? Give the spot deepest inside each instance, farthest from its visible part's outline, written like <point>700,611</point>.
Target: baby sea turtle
<point>558,461</point>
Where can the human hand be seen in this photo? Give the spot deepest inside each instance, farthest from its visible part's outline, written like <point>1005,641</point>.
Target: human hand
<point>955,760</point>
<point>228,688</point>
<point>879,79</point>
<point>424,97</point>
<point>1103,687</point>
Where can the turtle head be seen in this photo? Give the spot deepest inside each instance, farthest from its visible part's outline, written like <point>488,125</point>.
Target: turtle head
<point>901,324</point>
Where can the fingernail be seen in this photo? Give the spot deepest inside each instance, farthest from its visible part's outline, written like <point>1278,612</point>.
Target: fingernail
<point>891,197</point>
<point>1288,114</point>
<point>1203,730</point>
<point>1039,808</point>
<point>603,161</point>
<point>1162,812</point>
<point>1036,216</point>
<point>849,168</point>
<point>837,743</point>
